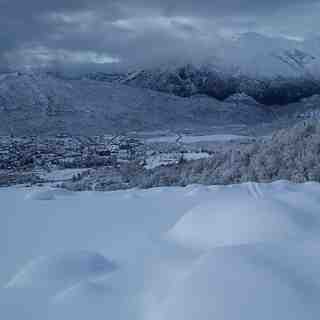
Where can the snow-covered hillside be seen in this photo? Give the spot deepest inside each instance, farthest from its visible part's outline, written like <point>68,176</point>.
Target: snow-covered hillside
<point>43,104</point>
<point>245,251</point>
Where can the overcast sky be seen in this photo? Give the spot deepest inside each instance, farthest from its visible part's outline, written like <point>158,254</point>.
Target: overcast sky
<point>126,32</point>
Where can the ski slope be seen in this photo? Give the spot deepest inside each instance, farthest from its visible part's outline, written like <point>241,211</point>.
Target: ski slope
<point>247,251</point>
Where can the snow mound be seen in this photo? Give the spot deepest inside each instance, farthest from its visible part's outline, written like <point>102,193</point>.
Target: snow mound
<point>48,194</point>
<point>62,192</point>
<point>42,195</point>
<point>62,270</point>
<point>236,216</point>
<point>132,195</point>
<point>195,190</point>
<point>248,282</point>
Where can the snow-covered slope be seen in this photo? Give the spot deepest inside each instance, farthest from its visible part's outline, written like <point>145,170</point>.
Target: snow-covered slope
<point>247,251</point>
<point>40,103</point>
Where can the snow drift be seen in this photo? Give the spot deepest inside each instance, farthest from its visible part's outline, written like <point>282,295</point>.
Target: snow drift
<point>234,218</point>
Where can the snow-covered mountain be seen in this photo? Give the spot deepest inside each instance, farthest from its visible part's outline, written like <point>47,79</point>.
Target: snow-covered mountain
<point>257,55</point>
<point>43,104</point>
<point>251,70</point>
<point>189,80</point>
<point>272,70</point>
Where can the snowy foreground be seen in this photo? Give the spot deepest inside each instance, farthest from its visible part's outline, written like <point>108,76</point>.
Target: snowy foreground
<point>249,251</point>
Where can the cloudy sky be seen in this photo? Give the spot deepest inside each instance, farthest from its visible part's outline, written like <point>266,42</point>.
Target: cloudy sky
<point>84,33</point>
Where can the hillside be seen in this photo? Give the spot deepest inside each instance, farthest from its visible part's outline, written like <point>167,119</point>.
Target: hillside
<point>33,104</point>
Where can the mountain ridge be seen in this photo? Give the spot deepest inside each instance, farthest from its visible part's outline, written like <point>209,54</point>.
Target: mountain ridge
<point>272,70</point>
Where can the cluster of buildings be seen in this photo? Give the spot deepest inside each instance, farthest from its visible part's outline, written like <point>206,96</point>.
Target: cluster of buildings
<point>61,152</point>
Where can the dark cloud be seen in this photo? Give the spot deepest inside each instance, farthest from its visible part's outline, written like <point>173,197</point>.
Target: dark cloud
<point>135,32</point>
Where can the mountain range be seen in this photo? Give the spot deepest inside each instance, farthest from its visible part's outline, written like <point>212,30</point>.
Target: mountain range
<point>269,79</point>
<point>273,70</point>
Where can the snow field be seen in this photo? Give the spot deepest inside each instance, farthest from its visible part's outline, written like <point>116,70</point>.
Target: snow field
<point>247,251</point>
